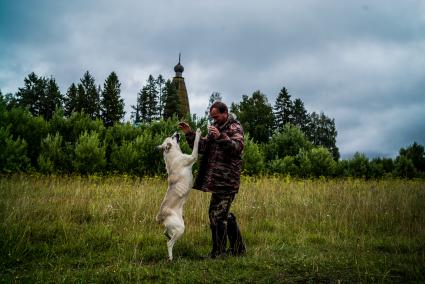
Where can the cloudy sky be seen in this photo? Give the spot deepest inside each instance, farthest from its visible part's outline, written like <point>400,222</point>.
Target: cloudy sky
<point>361,62</point>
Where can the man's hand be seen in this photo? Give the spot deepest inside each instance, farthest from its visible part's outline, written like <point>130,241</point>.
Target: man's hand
<point>214,132</point>
<point>184,127</point>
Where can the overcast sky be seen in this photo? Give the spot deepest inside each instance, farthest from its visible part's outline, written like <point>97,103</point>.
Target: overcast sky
<point>360,62</point>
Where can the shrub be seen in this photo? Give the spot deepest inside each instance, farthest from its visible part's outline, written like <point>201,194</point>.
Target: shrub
<point>322,162</point>
<point>252,158</point>
<point>404,167</point>
<point>12,153</point>
<point>89,154</point>
<point>359,165</point>
<point>52,156</point>
<point>288,142</point>
<point>284,166</point>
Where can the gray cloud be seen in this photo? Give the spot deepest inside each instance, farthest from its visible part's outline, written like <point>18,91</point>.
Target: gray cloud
<point>361,62</point>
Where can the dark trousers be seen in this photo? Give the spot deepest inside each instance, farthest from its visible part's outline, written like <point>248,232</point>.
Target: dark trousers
<point>223,224</point>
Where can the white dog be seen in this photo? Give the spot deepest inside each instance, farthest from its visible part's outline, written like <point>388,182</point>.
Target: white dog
<point>180,181</point>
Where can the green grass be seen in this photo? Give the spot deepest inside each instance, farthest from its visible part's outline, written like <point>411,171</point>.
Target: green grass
<point>75,229</point>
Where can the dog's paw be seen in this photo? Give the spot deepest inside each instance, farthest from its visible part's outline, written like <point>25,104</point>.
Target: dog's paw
<point>198,131</point>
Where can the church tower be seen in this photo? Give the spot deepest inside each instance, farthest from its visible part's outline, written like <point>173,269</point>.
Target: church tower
<point>181,90</point>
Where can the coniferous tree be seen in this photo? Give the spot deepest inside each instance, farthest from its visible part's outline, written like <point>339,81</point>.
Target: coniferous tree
<point>143,105</point>
<point>88,96</point>
<point>322,132</point>
<point>152,102</point>
<point>300,116</point>
<point>160,85</point>
<point>40,95</point>
<point>71,100</point>
<point>111,103</point>
<point>171,100</point>
<point>29,96</point>
<point>283,109</point>
<point>51,99</point>
<point>256,116</point>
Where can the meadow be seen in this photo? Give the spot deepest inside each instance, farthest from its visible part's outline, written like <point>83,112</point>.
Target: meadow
<point>70,229</point>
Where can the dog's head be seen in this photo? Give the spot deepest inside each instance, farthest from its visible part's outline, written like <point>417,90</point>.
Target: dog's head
<point>169,143</point>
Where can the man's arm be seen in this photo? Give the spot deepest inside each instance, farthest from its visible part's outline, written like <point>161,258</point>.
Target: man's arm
<point>232,140</point>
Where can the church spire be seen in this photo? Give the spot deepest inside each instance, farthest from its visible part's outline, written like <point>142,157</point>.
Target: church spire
<point>179,68</point>
<point>178,80</point>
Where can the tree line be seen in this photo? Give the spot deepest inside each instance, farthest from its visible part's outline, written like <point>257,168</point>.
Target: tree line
<point>83,132</point>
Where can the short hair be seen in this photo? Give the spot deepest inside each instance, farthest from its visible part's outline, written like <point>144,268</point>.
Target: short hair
<point>220,106</point>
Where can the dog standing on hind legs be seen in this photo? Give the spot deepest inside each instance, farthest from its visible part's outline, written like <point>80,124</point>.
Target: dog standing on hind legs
<point>180,181</point>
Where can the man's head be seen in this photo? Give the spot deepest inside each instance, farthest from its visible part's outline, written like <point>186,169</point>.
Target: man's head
<point>219,112</point>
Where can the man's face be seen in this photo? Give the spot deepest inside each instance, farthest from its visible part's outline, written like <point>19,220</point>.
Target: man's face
<point>219,118</point>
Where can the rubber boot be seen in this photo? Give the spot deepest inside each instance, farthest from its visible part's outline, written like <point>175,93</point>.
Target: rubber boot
<point>237,245</point>
<point>221,239</point>
<point>214,252</point>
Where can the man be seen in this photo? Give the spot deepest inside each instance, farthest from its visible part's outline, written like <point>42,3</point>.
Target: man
<point>219,173</point>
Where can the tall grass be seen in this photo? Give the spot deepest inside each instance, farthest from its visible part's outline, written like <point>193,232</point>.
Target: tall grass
<point>77,229</point>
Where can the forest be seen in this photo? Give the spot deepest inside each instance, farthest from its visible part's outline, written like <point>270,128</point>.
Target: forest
<point>83,131</point>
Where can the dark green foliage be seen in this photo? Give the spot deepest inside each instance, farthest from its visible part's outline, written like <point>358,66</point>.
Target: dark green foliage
<point>416,154</point>
<point>404,167</point>
<point>71,101</point>
<point>112,105</point>
<point>253,158</point>
<point>321,162</point>
<point>40,96</point>
<point>286,166</point>
<point>88,96</point>
<point>147,108</point>
<point>301,118</point>
<point>288,142</point>
<point>283,110</point>
<point>21,124</point>
<point>53,156</point>
<point>359,165</point>
<point>171,100</point>
<point>160,81</point>
<point>13,153</point>
<point>89,154</point>
<point>322,132</point>
<point>256,116</point>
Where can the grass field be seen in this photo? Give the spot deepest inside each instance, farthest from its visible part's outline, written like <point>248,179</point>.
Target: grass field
<point>75,229</point>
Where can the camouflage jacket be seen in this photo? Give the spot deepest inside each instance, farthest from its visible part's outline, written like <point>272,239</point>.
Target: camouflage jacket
<point>221,161</point>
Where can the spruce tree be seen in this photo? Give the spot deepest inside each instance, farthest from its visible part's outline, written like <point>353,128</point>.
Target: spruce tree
<point>283,109</point>
<point>71,100</point>
<point>29,96</point>
<point>51,98</point>
<point>160,87</point>
<point>112,105</point>
<point>89,95</point>
<point>300,115</point>
<point>152,102</point>
<point>171,100</point>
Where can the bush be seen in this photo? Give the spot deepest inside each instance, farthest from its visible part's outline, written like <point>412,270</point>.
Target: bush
<point>288,142</point>
<point>404,167</point>
<point>52,156</point>
<point>359,165</point>
<point>13,153</point>
<point>124,158</point>
<point>322,162</point>
<point>285,166</point>
<point>149,159</point>
<point>252,158</point>
<point>89,154</point>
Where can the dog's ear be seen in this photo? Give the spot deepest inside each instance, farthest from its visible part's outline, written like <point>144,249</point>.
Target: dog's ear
<point>168,147</point>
